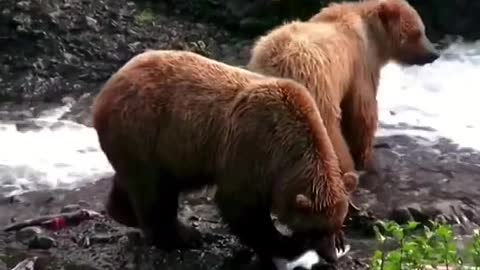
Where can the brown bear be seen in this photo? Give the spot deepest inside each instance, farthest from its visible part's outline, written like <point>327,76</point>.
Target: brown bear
<point>173,121</point>
<point>338,55</point>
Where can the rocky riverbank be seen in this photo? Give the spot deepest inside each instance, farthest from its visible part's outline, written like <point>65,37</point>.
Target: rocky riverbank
<point>55,49</point>
<point>100,243</point>
<point>441,17</point>
<point>420,181</point>
<point>51,49</point>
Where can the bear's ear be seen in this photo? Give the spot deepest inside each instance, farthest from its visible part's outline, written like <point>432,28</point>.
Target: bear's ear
<point>350,180</point>
<point>303,203</point>
<point>388,11</point>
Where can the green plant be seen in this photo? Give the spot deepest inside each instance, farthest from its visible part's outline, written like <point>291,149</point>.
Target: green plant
<point>146,16</point>
<point>411,246</point>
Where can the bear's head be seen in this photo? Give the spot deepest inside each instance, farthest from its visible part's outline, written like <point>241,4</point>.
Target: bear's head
<point>321,229</point>
<point>404,33</point>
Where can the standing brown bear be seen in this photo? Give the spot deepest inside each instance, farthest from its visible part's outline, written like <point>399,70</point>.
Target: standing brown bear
<point>338,55</point>
<point>173,121</point>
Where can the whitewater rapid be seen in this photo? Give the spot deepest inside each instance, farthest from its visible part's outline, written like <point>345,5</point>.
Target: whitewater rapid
<point>436,100</point>
<point>54,154</point>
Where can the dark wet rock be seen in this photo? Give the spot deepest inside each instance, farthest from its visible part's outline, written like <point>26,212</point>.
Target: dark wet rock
<point>105,238</point>
<point>42,242</point>
<point>15,199</point>
<point>422,180</point>
<point>26,235</point>
<point>319,266</point>
<point>70,208</point>
<point>362,223</point>
<point>27,125</point>
<point>422,215</point>
<point>401,215</point>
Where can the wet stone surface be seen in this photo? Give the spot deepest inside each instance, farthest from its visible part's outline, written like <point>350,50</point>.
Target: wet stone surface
<point>104,244</point>
<point>423,180</point>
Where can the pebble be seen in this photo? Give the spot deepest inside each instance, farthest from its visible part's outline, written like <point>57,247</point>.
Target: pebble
<point>401,215</point>
<point>70,208</point>
<point>83,203</point>
<point>92,23</point>
<point>42,242</point>
<point>15,200</point>
<point>25,235</point>
<point>26,264</point>
<point>23,5</point>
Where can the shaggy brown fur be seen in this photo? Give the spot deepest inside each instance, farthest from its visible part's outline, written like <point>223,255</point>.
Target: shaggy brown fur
<point>338,55</point>
<point>173,121</point>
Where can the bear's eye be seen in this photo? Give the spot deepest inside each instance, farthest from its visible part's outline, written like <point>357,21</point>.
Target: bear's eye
<point>415,35</point>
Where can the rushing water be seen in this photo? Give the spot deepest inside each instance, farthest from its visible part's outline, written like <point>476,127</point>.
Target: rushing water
<point>441,96</point>
<point>50,153</point>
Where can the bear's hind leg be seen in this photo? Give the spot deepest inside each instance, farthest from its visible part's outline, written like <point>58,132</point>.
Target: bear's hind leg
<point>118,205</point>
<point>359,123</point>
<point>155,200</point>
<point>254,227</point>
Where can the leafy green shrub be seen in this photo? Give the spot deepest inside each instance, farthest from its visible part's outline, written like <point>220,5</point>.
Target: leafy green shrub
<point>412,246</point>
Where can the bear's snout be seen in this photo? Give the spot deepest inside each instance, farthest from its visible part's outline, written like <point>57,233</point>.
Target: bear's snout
<point>430,53</point>
<point>431,56</point>
<point>426,58</point>
<point>420,59</point>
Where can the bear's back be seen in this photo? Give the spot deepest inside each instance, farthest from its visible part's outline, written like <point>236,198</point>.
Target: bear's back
<point>308,52</point>
<point>170,100</point>
<point>275,133</point>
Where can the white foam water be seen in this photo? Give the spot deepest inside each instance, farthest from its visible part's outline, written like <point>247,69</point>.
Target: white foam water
<point>442,96</point>
<point>56,154</point>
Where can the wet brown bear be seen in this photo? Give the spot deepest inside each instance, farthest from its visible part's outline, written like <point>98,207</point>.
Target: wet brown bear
<point>338,55</point>
<point>173,121</point>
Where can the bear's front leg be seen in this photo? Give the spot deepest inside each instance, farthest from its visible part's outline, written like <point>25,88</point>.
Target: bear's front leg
<point>254,227</point>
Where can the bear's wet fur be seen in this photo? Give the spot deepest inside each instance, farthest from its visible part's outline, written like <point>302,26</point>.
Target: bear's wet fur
<point>174,121</point>
<point>338,54</point>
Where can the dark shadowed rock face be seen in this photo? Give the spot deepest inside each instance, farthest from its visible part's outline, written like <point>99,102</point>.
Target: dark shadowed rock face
<point>52,48</point>
<point>451,17</point>
<point>441,17</point>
